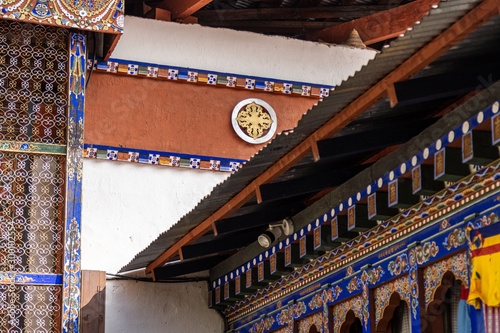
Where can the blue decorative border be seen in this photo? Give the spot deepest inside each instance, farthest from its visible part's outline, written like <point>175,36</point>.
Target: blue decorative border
<point>161,158</point>
<point>26,278</point>
<point>416,160</point>
<point>445,240</point>
<point>71,281</point>
<point>32,147</point>
<point>228,80</point>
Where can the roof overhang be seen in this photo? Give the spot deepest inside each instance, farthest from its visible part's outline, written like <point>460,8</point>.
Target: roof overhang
<point>372,100</point>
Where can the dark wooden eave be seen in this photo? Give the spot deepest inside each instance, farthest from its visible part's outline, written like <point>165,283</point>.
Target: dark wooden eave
<point>313,20</point>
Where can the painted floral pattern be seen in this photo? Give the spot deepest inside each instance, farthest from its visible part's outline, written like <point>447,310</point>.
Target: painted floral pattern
<point>384,292</point>
<point>340,310</point>
<point>433,274</point>
<point>306,323</point>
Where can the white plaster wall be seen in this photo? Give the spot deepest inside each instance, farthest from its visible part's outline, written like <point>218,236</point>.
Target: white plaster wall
<point>158,308</point>
<point>237,52</point>
<point>127,205</point>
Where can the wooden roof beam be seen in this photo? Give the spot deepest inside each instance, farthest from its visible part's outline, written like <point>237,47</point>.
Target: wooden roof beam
<point>272,24</point>
<point>378,27</point>
<point>347,2</point>
<point>232,205</point>
<point>291,13</point>
<point>181,9</point>
<point>309,185</point>
<point>482,13</point>
<point>256,219</point>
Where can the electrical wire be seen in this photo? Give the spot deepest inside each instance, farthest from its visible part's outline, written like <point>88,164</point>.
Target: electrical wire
<point>167,280</point>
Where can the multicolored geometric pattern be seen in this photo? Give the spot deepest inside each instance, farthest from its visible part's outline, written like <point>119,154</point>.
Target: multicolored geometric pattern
<point>199,76</point>
<point>161,158</point>
<point>105,16</point>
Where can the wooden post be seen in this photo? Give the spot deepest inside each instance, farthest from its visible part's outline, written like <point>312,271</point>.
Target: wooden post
<point>93,297</point>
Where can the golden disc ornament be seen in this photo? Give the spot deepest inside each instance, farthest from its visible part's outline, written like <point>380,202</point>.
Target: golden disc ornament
<point>254,120</point>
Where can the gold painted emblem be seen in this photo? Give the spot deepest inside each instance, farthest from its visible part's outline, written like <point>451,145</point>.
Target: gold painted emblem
<point>255,120</point>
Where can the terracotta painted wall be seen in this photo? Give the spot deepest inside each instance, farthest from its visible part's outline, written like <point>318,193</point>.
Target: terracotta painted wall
<point>176,117</point>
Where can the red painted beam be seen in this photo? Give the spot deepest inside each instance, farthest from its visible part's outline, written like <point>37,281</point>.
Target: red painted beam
<point>182,9</point>
<point>378,27</point>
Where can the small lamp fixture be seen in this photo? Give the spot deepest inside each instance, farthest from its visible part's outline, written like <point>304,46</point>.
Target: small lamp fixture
<point>274,232</point>
<point>269,236</point>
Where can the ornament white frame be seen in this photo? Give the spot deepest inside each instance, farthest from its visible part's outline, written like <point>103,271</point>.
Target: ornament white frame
<point>243,135</point>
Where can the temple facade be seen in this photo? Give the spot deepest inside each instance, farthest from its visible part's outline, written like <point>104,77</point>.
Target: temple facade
<point>161,176</point>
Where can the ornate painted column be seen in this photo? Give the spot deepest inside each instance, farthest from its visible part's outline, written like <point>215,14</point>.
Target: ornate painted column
<point>74,170</point>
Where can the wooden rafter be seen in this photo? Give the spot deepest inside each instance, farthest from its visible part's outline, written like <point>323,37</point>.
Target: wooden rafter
<point>273,24</point>
<point>293,13</point>
<point>390,2</point>
<point>419,60</point>
<point>181,9</point>
<point>347,2</point>
<point>308,3</point>
<point>389,24</point>
<point>292,26</point>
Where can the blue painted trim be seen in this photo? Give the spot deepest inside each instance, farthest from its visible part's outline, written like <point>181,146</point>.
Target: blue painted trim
<point>162,153</point>
<point>441,240</point>
<point>256,78</point>
<point>26,278</point>
<point>72,273</point>
<point>417,159</point>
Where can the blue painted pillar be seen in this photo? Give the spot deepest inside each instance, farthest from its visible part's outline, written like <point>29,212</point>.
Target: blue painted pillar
<point>74,169</point>
<point>414,292</point>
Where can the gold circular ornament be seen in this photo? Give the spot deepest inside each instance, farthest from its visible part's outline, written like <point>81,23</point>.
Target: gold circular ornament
<point>254,120</point>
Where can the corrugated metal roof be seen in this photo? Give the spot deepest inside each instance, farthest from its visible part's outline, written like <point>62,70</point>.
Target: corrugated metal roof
<point>400,49</point>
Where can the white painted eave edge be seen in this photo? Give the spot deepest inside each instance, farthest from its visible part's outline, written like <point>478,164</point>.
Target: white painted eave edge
<point>237,52</point>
